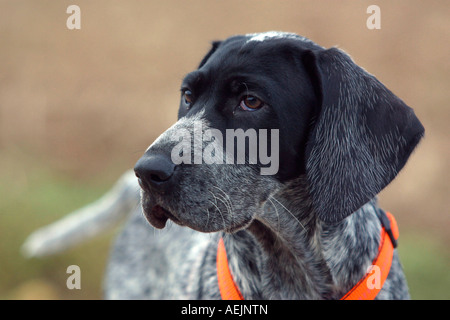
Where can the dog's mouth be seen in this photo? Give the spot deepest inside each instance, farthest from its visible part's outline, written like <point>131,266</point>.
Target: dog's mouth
<point>208,214</point>
<point>158,217</point>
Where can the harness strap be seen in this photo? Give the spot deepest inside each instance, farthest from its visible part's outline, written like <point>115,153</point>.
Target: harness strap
<point>361,291</point>
<point>366,289</point>
<point>227,287</point>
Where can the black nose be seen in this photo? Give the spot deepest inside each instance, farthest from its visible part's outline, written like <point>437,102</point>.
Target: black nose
<point>154,170</point>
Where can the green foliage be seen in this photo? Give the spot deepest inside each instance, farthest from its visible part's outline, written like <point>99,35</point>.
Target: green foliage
<point>37,198</point>
<point>426,263</point>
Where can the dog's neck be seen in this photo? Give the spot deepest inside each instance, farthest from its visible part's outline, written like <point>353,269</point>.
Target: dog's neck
<point>290,254</point>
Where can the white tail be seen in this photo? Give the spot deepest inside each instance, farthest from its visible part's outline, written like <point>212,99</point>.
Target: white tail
<point>86,222</point>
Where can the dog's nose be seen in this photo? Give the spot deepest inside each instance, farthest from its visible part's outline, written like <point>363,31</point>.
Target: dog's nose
<point>154,170</point>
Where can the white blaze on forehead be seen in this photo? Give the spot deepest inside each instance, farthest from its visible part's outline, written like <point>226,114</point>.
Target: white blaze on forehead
<point>274,35</point>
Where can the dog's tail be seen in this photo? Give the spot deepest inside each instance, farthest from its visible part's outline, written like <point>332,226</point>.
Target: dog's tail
<point>86,222</point>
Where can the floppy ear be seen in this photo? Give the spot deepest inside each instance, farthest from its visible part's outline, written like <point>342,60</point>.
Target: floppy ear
<point>213,49</point>
<point>362,136</point>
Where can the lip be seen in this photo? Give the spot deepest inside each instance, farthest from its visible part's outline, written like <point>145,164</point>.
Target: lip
<point>172,217</point>
<point>158,217</point>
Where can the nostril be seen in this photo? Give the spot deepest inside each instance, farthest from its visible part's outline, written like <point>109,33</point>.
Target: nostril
<point>157,178</point>
<point>154,170</point>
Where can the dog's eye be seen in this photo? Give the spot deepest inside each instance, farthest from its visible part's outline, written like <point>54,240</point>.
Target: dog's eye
<point>251,103</point>
<point>188,97</point>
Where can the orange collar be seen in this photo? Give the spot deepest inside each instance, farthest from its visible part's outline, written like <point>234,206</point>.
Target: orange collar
<point>366,289</point>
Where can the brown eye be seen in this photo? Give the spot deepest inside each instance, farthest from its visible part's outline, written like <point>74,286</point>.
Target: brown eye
<point>188,97</point>
<point>251,103</point>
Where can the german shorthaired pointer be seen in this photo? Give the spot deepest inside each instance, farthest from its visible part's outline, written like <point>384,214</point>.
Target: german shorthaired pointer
<point>308,227</point>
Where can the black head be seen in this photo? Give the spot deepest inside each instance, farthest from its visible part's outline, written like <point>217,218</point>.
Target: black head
<point>338,125</point>
<point>258,83</point>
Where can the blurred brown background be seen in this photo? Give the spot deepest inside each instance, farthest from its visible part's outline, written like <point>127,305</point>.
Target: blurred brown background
<point>78,107</point>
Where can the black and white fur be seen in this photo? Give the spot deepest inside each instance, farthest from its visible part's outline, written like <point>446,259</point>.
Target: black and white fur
<point>308,232</point>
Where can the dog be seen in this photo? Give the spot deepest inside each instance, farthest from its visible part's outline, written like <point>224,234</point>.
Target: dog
<point>309,229</point>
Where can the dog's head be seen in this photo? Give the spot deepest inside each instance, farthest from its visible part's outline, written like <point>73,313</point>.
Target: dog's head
<point>262,110</point>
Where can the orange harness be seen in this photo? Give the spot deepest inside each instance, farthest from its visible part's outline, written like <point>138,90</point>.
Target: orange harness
<point>363,290</point>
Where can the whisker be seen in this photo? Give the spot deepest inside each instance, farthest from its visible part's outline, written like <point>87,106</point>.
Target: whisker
<point>228,203</point>
<point>278,214</point>
<point>224,201</point>
<point>220,212</point>
<point>289,213</point>
<point>207,221</point>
